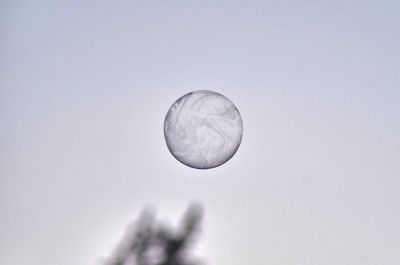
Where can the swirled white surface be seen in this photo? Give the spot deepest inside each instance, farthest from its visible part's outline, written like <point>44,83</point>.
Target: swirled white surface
<point>203,129</point>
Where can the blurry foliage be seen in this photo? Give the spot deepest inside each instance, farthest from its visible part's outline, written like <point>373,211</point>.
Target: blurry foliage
<point>149,243</point>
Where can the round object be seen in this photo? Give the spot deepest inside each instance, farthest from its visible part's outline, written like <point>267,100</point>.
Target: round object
<point>203,129</point>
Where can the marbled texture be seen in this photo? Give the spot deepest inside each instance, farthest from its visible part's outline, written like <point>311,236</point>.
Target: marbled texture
<point>203,129</point>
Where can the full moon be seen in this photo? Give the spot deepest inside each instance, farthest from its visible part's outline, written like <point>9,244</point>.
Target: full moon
<point>203,129</point>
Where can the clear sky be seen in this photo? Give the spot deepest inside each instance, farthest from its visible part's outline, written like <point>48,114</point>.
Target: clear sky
<point>85,87</point>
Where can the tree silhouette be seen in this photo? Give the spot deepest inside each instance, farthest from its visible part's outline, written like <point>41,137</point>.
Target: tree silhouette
<point>150,244</point>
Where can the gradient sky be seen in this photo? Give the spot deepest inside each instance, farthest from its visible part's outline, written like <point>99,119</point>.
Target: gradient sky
<point>85,87</point>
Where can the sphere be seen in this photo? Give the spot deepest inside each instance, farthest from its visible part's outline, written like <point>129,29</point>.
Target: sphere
<point>203,129</point>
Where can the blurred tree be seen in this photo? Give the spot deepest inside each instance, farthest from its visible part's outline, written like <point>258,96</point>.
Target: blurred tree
<point>149,244</point>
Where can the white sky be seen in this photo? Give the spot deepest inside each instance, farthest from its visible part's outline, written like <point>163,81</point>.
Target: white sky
<point>85,86</point>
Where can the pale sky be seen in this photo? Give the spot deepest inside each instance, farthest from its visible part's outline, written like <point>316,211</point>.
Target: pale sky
<point>85,87</point>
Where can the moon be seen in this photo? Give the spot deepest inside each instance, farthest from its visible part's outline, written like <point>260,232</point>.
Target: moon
<point>203,129</point>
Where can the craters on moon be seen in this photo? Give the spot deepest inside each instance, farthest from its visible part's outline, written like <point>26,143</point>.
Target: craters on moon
<point>203,129</point>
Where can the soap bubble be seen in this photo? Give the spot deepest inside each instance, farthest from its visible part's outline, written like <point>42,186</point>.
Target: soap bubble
<point>203,129</point>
